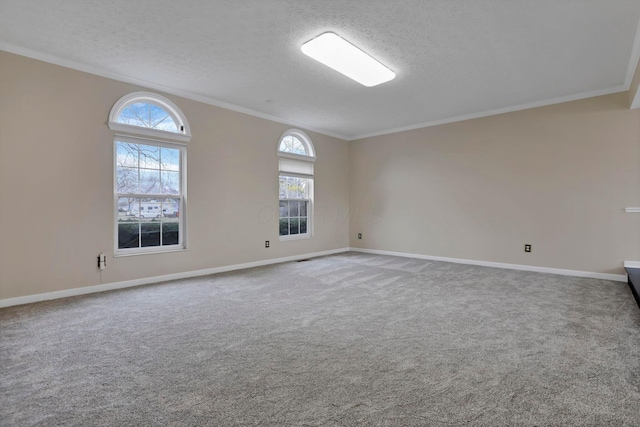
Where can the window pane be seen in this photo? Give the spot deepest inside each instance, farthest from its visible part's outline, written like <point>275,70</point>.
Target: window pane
<point>133,115</point>
<point>170,233</point>
<point>294,188</point>
<point>293,208</point>
<point>171,210</point>
<point>293,226</point>
<point>128,235</point>
<point>298,189</point>
<point>161,120</point>
<point>149,157</point>
<point>126,180</point>
<point>170,221</point>
<point>149,181</point>
<point>150,234</point>
<point>303,208</point>
<point>126,154</point>
<point>125,207</point>
<point>303,225</point>
<point>147,115</point>
<point>134,208</point>
<point>149,209</point>
<point>284,209</point>
<point>170,182</point>
<point>170,159</point>
<point>284,226</point>
<point>283,187</point>
<point>291,144</point>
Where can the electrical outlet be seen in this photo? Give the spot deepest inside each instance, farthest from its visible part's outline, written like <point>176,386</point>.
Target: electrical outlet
<point>527,247</point>
<point>102,261</point>
<point>266,243</point>
<point>359,236</point>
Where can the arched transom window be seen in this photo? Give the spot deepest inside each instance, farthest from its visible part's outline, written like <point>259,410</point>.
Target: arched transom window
<point>296,142</point>
<point>149,114</point>
<point>291,144</point>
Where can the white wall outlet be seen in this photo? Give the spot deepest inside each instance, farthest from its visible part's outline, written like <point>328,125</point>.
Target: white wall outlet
<point>102,261</point>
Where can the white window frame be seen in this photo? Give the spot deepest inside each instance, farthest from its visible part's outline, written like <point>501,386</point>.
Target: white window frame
<point>304,162</point>
<point>153,137</point>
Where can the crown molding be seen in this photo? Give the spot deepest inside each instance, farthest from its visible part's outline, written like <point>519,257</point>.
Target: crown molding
<point>53,59</point>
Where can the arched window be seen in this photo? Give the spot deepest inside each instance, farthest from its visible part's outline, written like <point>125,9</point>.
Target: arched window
<point>297,143</point>
<point>150,158</point>
<point>145,113</point>
<point>297,157</point>
<point>148,115</point>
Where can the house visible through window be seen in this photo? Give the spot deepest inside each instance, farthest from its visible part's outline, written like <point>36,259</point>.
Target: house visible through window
<point>146,175</point>
<point>296,162</point>
<point>149,178</point>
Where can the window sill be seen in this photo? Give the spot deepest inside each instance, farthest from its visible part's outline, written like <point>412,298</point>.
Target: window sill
<point>149,252</point>
<point>295,237</point>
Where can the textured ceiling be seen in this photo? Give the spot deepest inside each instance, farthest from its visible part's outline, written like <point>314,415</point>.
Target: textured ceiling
<point>453,58</point>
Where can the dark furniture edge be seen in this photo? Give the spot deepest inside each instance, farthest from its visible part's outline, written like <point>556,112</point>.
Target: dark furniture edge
<point>634,282</point>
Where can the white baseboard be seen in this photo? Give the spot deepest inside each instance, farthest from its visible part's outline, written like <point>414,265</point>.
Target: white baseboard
<point>155,279</point>
<point>148,280</point>
<point>576,273</point>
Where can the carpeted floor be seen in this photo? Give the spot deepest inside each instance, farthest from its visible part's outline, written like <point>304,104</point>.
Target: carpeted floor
<point>350,339</point>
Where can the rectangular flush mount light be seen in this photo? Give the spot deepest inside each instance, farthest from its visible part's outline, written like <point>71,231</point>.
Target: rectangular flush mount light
<point>337,53</point>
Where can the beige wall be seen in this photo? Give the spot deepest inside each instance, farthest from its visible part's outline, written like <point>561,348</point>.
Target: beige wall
<point>56,176</point>
<point>558,177</point>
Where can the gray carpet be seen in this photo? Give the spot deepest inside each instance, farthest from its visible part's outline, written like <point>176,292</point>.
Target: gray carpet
<point>344,340</point>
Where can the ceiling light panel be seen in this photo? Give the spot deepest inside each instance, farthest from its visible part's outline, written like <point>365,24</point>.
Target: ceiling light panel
<point>337,53</point>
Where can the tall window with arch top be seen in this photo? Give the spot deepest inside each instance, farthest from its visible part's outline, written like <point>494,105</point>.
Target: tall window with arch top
<point>150,155</point>
<point>296,162</point>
